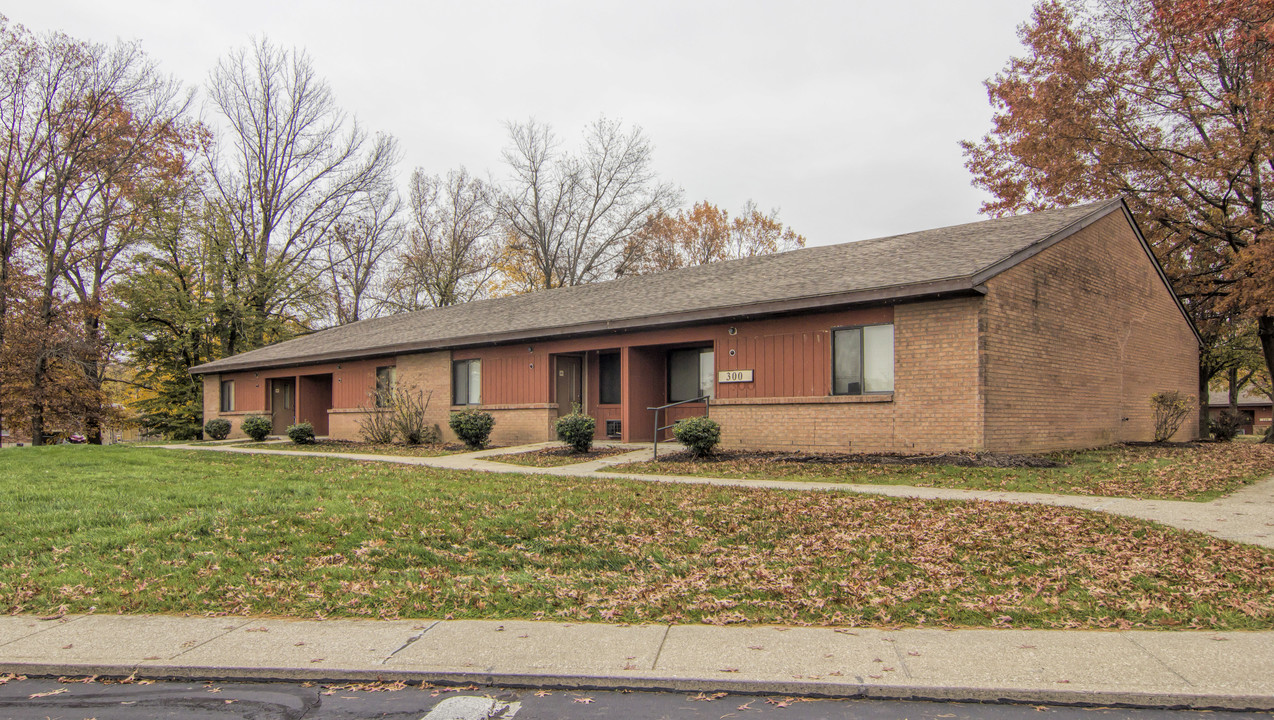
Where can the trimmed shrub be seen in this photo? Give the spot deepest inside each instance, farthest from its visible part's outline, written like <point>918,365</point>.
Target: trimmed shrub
<point>301,433</point>
<point>473,427</point>
<point>576,430</point>
<point>1171,409</point>
<point>257,427</point>
<point>700,435</point>
<point>1226,426</point>
<point>217,428</point>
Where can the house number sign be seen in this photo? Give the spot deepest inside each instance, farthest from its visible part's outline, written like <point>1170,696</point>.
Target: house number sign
<point>729,376</point>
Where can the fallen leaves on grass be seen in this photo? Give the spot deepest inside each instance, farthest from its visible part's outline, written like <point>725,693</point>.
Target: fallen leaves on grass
<point>309,537</point>
<point>1181,472</point>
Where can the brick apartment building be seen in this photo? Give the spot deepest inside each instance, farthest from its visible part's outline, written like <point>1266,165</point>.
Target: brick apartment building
<point>1254,409</point>
<point>1037,332</point>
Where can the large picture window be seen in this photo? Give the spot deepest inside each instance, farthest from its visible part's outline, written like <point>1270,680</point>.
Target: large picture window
<point>385,379</point>
<point>466,382</point>
<point>691,374</point>
<point>863,360</point>
<point>608,378</point>
<point>227,396</point>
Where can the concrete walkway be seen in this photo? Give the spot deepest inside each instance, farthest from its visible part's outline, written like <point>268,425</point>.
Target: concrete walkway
<point>1158,669</point>
<point>1244,516</point>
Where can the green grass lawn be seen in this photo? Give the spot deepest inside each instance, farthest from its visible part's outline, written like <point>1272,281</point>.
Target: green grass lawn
<point>161,531</point>
<point>558,456</point>
<point>1199,472</point>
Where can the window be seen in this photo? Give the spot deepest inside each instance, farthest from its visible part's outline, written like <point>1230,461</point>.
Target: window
<point>466,382</point>
<point>227,396</point>
<point>691,374</point>
<point>385,378</point>
<point>608,379</point>
<point>863,360</point>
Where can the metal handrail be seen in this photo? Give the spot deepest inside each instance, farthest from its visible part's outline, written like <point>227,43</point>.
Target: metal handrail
<point>707,407</point>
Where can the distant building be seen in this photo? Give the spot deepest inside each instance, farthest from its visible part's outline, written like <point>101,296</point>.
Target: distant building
<point>1254,409</point>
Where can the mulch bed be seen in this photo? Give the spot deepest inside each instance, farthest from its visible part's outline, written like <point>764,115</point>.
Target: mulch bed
<point>552,457</point>
<point>960,459</point>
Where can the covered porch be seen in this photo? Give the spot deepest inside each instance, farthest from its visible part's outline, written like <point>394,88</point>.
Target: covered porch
<point>620,386</point>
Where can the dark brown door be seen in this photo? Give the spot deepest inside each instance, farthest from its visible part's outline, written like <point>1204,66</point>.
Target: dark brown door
<point>282,405</point>
<point>569,384</point>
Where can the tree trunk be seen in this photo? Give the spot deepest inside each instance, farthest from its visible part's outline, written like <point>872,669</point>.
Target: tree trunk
<point>92,368</point>
<point>39,379</point>
<point>1233,380</point>
<point>1265,331</point>
<point>37,401</point>
<point>1204,379</point>
<point>4,308</point>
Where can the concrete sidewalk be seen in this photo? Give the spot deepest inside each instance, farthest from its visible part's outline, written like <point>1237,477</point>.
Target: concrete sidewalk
<point>1243,516</point>
<point>1232,670</point>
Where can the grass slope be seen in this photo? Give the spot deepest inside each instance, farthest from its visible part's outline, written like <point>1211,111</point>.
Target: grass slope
<point>150,530</point>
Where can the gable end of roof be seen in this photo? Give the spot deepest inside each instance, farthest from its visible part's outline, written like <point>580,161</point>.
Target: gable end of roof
<point>1099,213</point>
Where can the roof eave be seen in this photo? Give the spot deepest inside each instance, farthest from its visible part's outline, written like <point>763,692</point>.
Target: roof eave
<point>883,295</point>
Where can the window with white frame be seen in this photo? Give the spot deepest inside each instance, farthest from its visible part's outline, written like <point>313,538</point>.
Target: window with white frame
<point>385,379</point>
<point>466,382</point>
<point>691,374</point>
<point>227,396</point>
<point>863,360</point>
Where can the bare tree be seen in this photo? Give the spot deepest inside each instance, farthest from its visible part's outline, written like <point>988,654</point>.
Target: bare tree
<point>23,152</point>
<point>355,255</point>
<point>571,216</point>
<point>292,167</point>
<point>451,254</point>
<point>90,116</point>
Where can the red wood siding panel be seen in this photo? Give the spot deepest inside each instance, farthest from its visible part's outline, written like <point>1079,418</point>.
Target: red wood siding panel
<point>643,385</point>
<point>314,399</point>
<point>789,357</point>
<point>249,392</point>
<point>592,385</point>
<point>351,383</point>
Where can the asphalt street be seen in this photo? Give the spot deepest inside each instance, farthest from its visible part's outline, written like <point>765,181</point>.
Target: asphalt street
<point>48,699</point>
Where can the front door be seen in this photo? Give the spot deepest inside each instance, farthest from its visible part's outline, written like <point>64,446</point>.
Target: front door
<point>570,377</point>
<point>282,405</point>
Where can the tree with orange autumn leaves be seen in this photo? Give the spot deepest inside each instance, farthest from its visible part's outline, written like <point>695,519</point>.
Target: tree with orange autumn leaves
<point>1170,104</point>
<point>83,127</point>
<point>705,234</point>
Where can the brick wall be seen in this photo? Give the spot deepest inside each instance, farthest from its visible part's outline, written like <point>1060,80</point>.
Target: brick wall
<point>429,373</point>
<point>936,404</point>
<point>1076,340</point>
<point>212,403</point>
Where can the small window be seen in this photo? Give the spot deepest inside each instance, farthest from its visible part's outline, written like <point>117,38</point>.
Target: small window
<point>466,382</point>
<point>608,379</point>
<point>691,374</point>
<point>385,379</point>
<point>227,396</point>
<point>863,360</point>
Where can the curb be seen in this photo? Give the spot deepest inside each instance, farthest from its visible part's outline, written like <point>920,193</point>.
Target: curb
<point>804,688</point>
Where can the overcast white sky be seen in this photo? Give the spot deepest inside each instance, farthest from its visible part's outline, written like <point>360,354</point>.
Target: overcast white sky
<point>845,115</point>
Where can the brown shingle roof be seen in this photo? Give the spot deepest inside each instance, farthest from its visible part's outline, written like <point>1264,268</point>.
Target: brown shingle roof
<point>944,260</point>
<point>1221,398</point>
